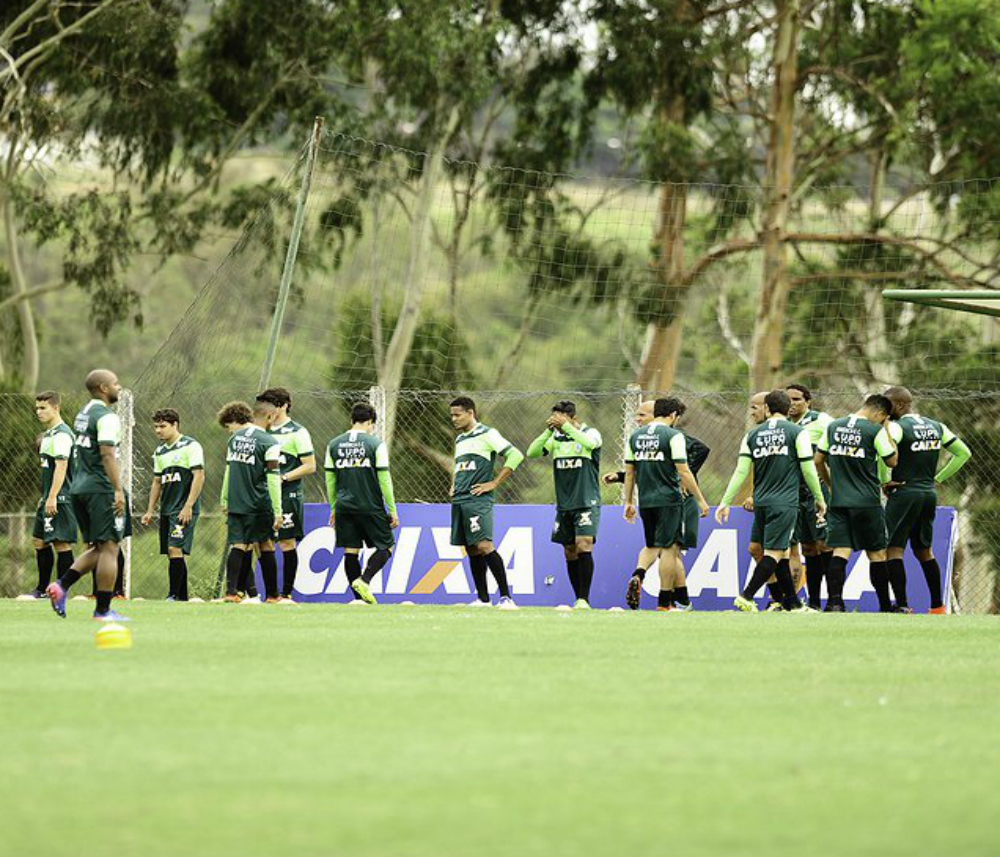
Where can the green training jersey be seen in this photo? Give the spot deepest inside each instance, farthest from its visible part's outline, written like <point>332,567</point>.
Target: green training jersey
<point>775,448</point>
<point>355,458</point>
<point>96,426</point>
<point>919,441</point>
<point>853,446</point>
<point>575,469</point>
<point>655,450</point>
<point>475,452</point>
<point>56,445</point>
<point>814,423</point>
<point>174,466</point>
<point>247,455</point>
<point>295,442</point>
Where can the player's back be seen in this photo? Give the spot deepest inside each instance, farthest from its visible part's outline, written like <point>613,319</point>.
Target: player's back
<point>247,454</point>
<point>94,426</point>
<point>773,449</point>
<point>654,450</point>
<point>852,456</point>
<point>919,441</point>
<point>355,457</point>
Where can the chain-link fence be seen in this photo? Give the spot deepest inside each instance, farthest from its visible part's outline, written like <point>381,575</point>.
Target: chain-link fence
<point>421,467</point>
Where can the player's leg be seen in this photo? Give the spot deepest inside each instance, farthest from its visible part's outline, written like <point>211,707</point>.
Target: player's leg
<point>921,540</point>
<point>680,592</point>
<point>45,561</point>
<point>932,575</point>
<point>902,515</point>
<point>479,526</point>
<point>291,533</point>
<point>177,573</point>
<point>378,534</point>
<point>871,536</point>
<point>564,534</point>
<point>584,549</point>
<point>647,556</point>
<point>268,569</point>
<point>461,537</point>
<point>107,573</point>
<point>814,573</point>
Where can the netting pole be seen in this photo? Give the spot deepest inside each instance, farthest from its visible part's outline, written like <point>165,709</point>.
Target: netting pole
<point>293,250</point>
<point>126,413</point>
<point>630,407</point>
<point>376,398</point>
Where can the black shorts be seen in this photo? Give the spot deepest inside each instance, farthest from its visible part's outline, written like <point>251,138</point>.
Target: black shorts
<point>663,526</point>
<point>807,531</point>
<point>292,523</point>
<point>357,530</point>
<point>175,535</point>
<point>692,520</point>
<point>95,515</point>
<point>857,529</point>
<point>909,517</point>
<point>773,526</point>
<point>249,529</point>
<point>61,528</point>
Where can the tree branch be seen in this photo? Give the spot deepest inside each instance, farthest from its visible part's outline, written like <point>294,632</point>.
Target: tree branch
<point>33,293</point>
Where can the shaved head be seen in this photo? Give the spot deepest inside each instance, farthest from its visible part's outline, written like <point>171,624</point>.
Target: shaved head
<point>644,415</point>
<point>757,412</point>
<point>103,384</point>
<point>902,400</point>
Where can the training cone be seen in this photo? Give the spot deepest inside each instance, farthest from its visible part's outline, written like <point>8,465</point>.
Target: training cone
<point>114,636</point>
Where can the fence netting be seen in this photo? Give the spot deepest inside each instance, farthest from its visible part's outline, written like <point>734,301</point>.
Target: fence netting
<point>421,466</point>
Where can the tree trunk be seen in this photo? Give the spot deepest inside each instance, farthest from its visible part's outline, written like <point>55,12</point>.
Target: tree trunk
<point>25,316</point>
<point>662,348</point>
<point>414,283</point>
<point>875,337</point>
<point>772,309</point>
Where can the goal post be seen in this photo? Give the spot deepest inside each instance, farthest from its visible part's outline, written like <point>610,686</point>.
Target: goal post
<point>981,302</point>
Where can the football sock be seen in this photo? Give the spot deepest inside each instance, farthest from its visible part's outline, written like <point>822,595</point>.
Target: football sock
<point>897,580</point>
<point>64,561</point>
<point>120,579</point>
<point>247,580</point>
<point>776,591</point>
<point>289,565</point>
<point>879,575</point>
<point>573,570</point>
<point>814,578</point>
<point>477,564</point>
<point>234,570</point>
<point>45,559</point>
<point>269,572</point>
<point>104,602</point>
<point>932,574</point>
<point>765,568</point>
<point>783,572</point>
<point>836,577</point>
<point>665,598</point>
<point>352,568</point>
<point>681,596</point>
<point>68,578</point>
<point>495,562</point>
<point>178,578</point>
<point>640,573</point>
<point>375,564</point>
<point>585,570</point>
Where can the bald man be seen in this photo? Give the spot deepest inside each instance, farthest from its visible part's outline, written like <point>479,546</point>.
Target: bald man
<point>912,502</point>
<point>97,494</point>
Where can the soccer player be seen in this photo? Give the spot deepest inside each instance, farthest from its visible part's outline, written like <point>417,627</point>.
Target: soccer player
<point>251,493</point>
<point>297,460</point>
<point>810,534</point>
<point>853,453</point>
<point>576,460</point>
<point>55,523</point>
<point>912,499</point>
<point>97,495</point>
<point>359,488</point>
<point>472,485</point>
<point>656,461</point>
<point>777,451</point>
<point>178,477</point>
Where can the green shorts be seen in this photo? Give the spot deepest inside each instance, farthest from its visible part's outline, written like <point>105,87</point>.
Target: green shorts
<point>292,512</point>
<point>175,535</point>
<point>857,529</point>
<point>571,524</point>
<point>249,529</point>
<point>61,528</point>
<point>692,520</point>
<point>358,530</point>
<point>124,521</point>
<point>773,526</point>
<point>472,522</point>
<point>807,531</point>
<point>663,526</point>
<point>909,517</point>
<point>95,515</point>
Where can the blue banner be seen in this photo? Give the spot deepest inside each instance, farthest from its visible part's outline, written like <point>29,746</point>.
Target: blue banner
<point>426,568</point>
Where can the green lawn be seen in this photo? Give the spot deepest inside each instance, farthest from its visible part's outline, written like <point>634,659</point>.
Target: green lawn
<point>328,730</point>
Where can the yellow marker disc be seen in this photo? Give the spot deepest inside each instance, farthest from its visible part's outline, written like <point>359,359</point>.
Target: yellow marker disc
<point>114,636</point>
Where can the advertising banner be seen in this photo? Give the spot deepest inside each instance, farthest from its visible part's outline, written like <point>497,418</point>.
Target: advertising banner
<point>426,569</point>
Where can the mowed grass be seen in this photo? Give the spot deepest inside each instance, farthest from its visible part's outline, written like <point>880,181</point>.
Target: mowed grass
<point>446,731</point>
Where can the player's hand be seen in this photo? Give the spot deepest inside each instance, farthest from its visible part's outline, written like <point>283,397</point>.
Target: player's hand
<point>821,513</point>
<point>51,507</point>
<point>483,488</point>
<point>119,501</point>
<point>278,521</point>
<point>393,522</point>
<point>557,420</point>
<point>333,516</point>
<point>702,509</point>
<point>748,504</point>
<point>147,519</point>
<point>722,515</point>
<point>184,516</point>
<point>891,486</point>
<point>630,512</point>
<point>610,479</point>
<point>451,490</point>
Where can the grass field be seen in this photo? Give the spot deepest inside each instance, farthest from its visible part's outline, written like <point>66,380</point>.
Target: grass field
<point>444,731</point>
